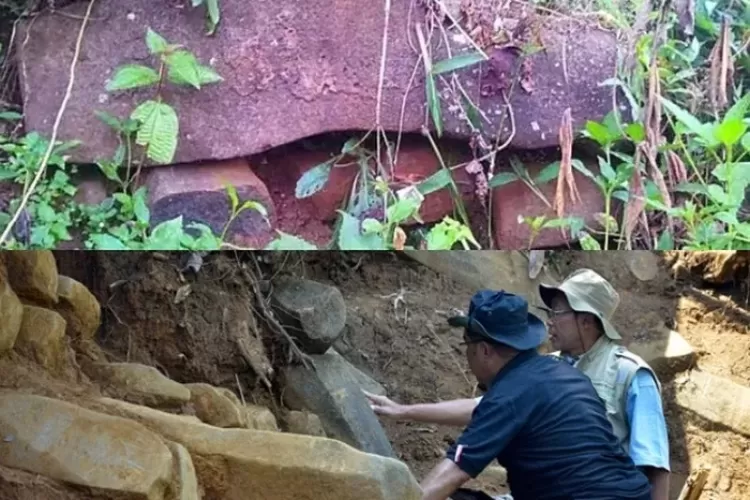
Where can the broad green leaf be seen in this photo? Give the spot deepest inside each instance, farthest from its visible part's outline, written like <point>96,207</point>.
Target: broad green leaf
<point>350,237</point>
<point>746,142</point>
<point>588,242</point>
<point>730,131</point>
<point>501,179</point>
<point>167,235</point>
<point>133,76</point>
<point>621,195</point>
<point>739,172</point>
<point>692,188</point>
<point>46,213</point>
<point>718,194</point>
<point>437,181</point>
<point>106,242</point>
<point>665,242</point>
<point>183,67</point>
<point>372,226</point>
<point>458,62</point>
<point>313,180</point>
<point>289,242</point>
<point>579,165</point>
<point>606,169</point>
<point>206,239</point>
<point>556,223</point>
<point>155,42</point>
<point>636,132</point>
<point>158,131</point>
<point>739,109</point>
<point>695,126</point>
<point>727,218</point>
<point>548,173</point>
<point>10,115</point>
<point>433,103</point>
<point>207,75</point>
<point>350,145</point>
<point>7,174</point>
<point>140,208</point>
<point>598,132</point>
<point>402,210</point>
<point>109,119</point>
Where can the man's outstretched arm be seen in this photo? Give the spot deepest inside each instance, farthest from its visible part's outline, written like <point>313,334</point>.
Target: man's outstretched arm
<point>457,412</point>
<point>443,480</point>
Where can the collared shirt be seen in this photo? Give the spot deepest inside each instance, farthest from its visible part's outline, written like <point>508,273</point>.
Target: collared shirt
<point>543,421</point>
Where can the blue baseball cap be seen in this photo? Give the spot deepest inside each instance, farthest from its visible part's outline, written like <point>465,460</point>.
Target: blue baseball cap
<point>503,318</point>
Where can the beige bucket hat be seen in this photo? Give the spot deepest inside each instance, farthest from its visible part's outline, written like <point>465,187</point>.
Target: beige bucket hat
<point>587,291</point>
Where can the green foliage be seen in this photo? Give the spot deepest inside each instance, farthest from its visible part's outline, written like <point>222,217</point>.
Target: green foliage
<point>213,14</point>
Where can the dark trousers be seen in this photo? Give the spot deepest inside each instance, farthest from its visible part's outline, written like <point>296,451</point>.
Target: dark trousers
<point>467,494</point>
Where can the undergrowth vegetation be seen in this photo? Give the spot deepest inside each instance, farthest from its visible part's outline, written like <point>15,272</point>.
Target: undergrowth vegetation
<point>673,168</point>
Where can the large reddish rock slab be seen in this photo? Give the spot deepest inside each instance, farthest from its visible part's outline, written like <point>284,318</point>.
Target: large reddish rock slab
<point>198,192</point>
<point>285,78</point>
<point>516,199</point>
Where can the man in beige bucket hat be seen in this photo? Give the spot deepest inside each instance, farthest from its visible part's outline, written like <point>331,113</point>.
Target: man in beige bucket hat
<point>580,310</point>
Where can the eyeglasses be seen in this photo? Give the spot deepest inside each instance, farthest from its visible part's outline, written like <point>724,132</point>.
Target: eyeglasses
<point>552,314</point>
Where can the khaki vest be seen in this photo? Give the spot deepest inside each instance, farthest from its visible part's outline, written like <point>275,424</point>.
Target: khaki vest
<point>601,364</point>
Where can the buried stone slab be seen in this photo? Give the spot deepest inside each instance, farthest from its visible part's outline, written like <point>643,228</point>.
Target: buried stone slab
<point>11,312</point>
<point>69,443</point>
<point>716,399</point>
<point>213,407</point>
<point>665,348</point>
<point>314,312</point>
<point>331,393</point>
<point>515,199</point>
<point>139,383</point>
<point>198,193</point>
<point>302,422</point>
<point>33,275</point>
<point>42,338</point>
<point>232,462</point>
<point>282,81</point>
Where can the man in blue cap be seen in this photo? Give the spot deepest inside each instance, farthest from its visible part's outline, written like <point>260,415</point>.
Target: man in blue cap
<point>541,419</point>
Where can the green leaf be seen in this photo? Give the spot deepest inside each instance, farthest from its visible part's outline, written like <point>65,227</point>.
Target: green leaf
<point>6,174</point>
<point>433,103</point>
<point>702,130</point>
<point>606,169</point>
<point>10,115</point>
<point>692,188</point>
<point>140,208</point>
<point>402,210</point>
<point>106,242</point>
<point>665,242</point>
<point>746,142</point>
<point>166,236</point>
<point>289,242</point>
<point>256,206</point>
<point>458,62</point>
<point>718,194</point>
<point>372,226</point>
<point>636,132</point>
<point>579,165</point>
<point>234,199</point>
<point>206,239</point>
<point>437,181</point>
<point>46,213</point>
<point>183,67</point>
<point>133,76</point>
<point>155,42</point>
<point>598,132</point>
<point>739,109</point>
<point>548,173</point>
<point>730,131</point>
<point>501,179</point>
<point>350,237</point>
<point>214,15</point>
<point>313,180</point>
<point>206,75</point>
<point>588,242</point>
<point>349,145</point>
<point>158,131</point>
<point>110,120</point>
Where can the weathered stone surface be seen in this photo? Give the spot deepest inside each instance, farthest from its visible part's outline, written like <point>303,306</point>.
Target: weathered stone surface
<point>232,462</point>
<point>11,312</point>
<point>65,442</point>
<point>260,418</point>
<point>716,267</point>
<point>302,422</point>
<point>213,407</point>
<point>140,383</point>
<point>284,81</point>
<point>184,478</point>
<point>315,311</point>
<point>79,307</point>
<point>643,264</point>
<point>33,275</point>
<point>516,199</point>
<point>339,363</point>
<point>332,394</point>
<point>716,399</point>
<point>198,192</point>
<point>664,347</point>
<point>42,337</point>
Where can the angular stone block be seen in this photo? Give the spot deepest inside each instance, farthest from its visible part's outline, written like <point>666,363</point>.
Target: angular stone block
<point>139,383</point>
<point>260,418</point>
<point>232,462</point>
<point>302,422</point>
<point>184,479</point>
<point>79,307</point>
<point>332,394</point>
<point>716,399</point>
<point>198,192</point>
<point>65,442</point>
<point>284,81</point>
<point>11,312</point>
<point>665,348</point>
<point>42,337</point>
<point>213,407</point>
<point>33,275</point>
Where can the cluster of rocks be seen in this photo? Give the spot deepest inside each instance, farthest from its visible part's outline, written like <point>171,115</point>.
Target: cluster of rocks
<point>284,82</point>
<point>153,438</point>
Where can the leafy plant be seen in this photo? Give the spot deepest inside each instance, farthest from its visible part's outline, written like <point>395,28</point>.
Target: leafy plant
<point>157,128</point>
<point>213,14</point>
